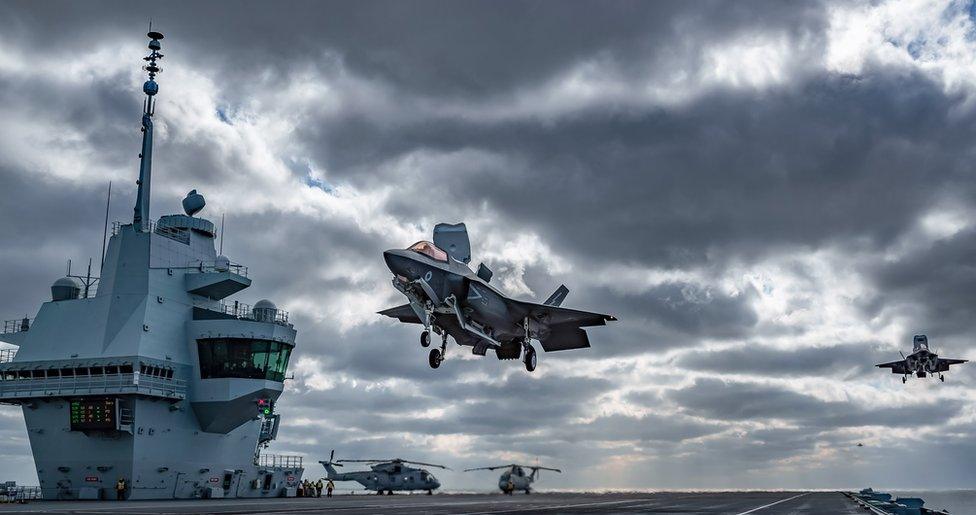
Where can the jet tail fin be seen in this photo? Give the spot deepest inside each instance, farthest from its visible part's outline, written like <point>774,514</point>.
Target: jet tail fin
<point>557,296</point>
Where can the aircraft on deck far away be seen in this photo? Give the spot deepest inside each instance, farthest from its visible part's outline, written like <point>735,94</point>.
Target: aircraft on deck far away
<point>514,477</point>
<point>448,298</point>
<point>921,361</point>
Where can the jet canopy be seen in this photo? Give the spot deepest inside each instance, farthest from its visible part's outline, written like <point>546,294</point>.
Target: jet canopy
<point>921,342</point>
<point>430,250</point>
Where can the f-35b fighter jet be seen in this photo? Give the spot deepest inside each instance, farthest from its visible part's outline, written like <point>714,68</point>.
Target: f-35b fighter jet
<point>448,298</point>
<point>921,361</point>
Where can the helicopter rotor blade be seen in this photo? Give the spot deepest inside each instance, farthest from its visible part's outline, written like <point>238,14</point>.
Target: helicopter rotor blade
<point>396,460</point>
<point>536,467</point>
<point>496,467</point>
<point>425,464</point>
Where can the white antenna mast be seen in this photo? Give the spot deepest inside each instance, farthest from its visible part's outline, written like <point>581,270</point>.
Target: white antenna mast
<point>108,202</point>
<point>221,252</point>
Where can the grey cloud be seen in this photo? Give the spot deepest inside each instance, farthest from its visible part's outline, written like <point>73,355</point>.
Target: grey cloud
<point>726,179</point>
<point>933,285</point>
<point>726,400</point>
<point>846,359</point>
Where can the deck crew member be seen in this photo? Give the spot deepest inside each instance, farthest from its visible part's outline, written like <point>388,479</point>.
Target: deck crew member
<point>120,489</point>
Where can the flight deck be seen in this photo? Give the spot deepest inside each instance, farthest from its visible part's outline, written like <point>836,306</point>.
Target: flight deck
<point>714,503</point>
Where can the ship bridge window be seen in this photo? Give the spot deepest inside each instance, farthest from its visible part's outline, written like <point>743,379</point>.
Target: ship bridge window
<point>430,250</point>
<point>243,358</point>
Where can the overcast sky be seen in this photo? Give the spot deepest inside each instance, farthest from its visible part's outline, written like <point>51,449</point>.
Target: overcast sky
<point>771,196</point>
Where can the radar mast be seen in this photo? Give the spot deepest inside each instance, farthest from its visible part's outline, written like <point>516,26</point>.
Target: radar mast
<point>140,218</point>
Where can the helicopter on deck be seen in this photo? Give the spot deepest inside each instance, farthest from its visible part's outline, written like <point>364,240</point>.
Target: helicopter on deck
<point>515,478</point>
<point>386,475</point>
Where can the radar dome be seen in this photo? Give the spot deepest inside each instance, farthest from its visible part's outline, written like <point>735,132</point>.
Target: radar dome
<point>65,288</point>
<point>150,87</point>
<point>193,203</point>
<point>222,264</point>
<point>265,311</point>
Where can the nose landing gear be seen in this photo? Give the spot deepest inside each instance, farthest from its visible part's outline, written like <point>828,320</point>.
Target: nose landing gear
<point>941,378</point>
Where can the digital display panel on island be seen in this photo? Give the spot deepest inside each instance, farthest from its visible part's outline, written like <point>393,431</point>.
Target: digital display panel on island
<point>94,413</point>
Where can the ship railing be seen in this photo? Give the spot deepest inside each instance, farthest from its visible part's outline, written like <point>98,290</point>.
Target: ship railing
<point>278,460</point>
<point>19,494</point>
<point>16,326</point>
<point>7,355</point>
<point>13,385</point>
<point>245,312</point>
<point>216,266</point>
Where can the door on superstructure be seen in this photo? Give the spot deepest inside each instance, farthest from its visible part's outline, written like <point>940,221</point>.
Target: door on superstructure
<point>228,482</point>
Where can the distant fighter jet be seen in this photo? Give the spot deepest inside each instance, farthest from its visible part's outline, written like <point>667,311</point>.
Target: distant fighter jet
<point>921,361</point>
<point>514,477</point>
<point>386,475</point>
<point>447,297</point>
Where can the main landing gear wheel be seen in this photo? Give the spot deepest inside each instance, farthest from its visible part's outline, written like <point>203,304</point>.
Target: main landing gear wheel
<point>430,492</point>
<point>425,339</point>
<point>435,358</point>
<point>941,378</point>
<point>529,358</point>
<point>904,380</point>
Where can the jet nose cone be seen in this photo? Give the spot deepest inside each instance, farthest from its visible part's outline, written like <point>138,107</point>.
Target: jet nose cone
<point>400,263</point>
<point>393,260</point>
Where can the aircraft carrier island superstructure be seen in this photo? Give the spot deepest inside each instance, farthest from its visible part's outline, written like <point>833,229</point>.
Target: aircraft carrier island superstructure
<point>156,377</point>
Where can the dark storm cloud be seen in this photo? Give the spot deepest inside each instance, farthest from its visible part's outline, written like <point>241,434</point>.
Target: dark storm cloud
<point>690,309</point>
<point>845,359</point>
<point>726,400</point>
<point>727,177</point>
<point>456,49</point>
<point>934,285</point>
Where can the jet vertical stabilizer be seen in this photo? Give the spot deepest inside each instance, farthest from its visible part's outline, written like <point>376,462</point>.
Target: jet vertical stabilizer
<point>453,238</point>
<point>558,296</point>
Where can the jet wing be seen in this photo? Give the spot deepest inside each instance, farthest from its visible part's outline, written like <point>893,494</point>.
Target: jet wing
<point>403,313</point>
<point>564,324</point>
<point>897,367</point>
<point>555,315</point>
<point>944,363</point>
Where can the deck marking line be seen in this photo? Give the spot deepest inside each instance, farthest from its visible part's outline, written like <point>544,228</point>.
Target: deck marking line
<point>557,507</point>
<point>773,504</point>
